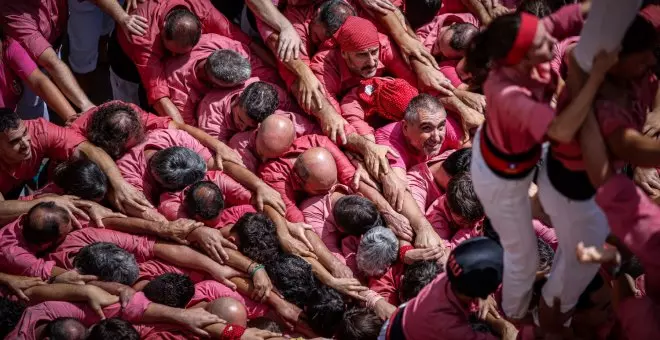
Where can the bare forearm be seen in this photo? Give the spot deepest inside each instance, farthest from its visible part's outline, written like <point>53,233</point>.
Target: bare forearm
<point>326,258</point>
<point>135,225</point>
<point>44,88</point>
<point>185,257</point>
<point>157,313</point>
<point>243,176</point>
<point>595,158</point>
<point>164,107</point>
<point>237,260</point>
<point>101,158</point>
<point>56,292</point>
<point>268,13</point>
<point>635,148</point>
<point>319,271</point>
<point>62,76</point>
<point>203,137</point>
<point>412,212</point>
<point>11,209</point>
<point>479,10</point>
<point>112,8</point>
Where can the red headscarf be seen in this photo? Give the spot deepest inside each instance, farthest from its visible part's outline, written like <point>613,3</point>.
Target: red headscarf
<point>388,97</point>
<point>357,34</point>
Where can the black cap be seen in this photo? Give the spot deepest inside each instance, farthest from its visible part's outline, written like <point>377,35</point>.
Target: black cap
<point>475,267</point>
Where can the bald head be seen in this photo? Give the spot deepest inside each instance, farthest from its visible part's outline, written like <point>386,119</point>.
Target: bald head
<point>45,223</point>
<point>275,135</point>
<point>228,309</point>
<point>65,328</point>
<point>181,30</point>
<point>318,170</point>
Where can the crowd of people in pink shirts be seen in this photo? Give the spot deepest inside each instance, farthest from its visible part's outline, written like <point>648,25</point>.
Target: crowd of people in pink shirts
<point>330,169</point>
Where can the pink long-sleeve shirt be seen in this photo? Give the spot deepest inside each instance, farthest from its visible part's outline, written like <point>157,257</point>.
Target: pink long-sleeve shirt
<point>45,312</point>
<point>134,164</point>
<point>171,203</point>
<point>47,140</point>
<point>148,51</point>
<point>16,65</point>
<point>519,111</point>
<point>186,89</point>
<point>421,183</point>
<point>141,247</point>
<point>280,175</point>
<point>214,112</point>
<point>17,257</point>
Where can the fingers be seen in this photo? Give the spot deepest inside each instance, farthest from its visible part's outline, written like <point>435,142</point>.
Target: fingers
<point>18,292</point>
<point>260,204</point>
<point>218,162</point>
<point>87,278</point>
<point>214,255</point>
<point>333,134</point>
<point>318,98</point>
<point>229,284</point>
<point>222,253</point>
<point>356,181</point>
<point>342,134</point>
<point>99,311</point>
<point>305,240</point>
<point>228,244</point>
<point>406,59</point>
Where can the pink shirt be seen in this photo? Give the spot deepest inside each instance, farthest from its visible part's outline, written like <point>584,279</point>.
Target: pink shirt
<point>15,66</point>
<point>45,312</point>
<point>134,165</point>
<point>148,52</point>
<point>149,121</point>
<point>448,69</point>
<point>171,203</point>
<point>35,24</point>
<point>207,291</point>
<point>388,284</point>
<point>332,71</point>
<point>421,183</point>
<point>430,31</point>
<point>151,269</point>
<point>47,141</point>
<point>633,217</point>
<point>392,135</point>
<point>279,173</point>
<point>349,248</point>
<point>141,247</point>
<point>558,63</point>
<point>317,211</point>
<point>443,223</point>
<point>612,115</point>
<point>17,257</point>
<point>245,143</point>
<point>436,310</point>
<point>519,111</point>
<point>214,114</point>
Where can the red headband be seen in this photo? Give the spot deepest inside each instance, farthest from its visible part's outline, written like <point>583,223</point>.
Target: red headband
<point>524,38</point>
<point>357,34</point>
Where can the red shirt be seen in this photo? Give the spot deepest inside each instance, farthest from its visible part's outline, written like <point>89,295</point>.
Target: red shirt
<point>207,291</point>
<point>141,247</point>
<point>171,203</point>
<point>279,174</point>
<point>17,257</point>
<point>47,141</point>
<point>133,165</point>
<point>388,284</point>
<point>519,111</point>
<point>149,121</point>
<point>148,52</point>
<point>332,71</point>
<point>50,310</point>
<point>35,24</point>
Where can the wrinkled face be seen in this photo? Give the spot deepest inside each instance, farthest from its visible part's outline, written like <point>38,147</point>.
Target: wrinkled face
<point>428,132</point>
<point>634,65</point>
<point>543,46</point>
<point>363,63</point>
<point>241,119</point>
<point>15,144</point>
<point>176,48</point>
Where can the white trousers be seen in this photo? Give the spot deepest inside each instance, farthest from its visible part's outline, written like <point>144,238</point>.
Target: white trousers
<point>507,205</point>
<point>574,222</point>
<point>604,29</point>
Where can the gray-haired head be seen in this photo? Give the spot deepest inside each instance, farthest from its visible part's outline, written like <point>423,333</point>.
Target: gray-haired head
<point>108,262</point>
<point>378,249</point>
<point>177,167</point>
<point>423,101</point>
<point>227,68</point>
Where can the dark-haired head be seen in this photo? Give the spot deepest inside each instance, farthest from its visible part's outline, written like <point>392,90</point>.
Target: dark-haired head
<point>546,254</point>
<point>10,314</point>
<point>258,101</point>
<point>421,12</point>
<point>293,277</point>
<point>359,324</point>
<point>539,8</point>
<point>82,178</point>
<point>45,225</point>
<point>324,311</point>
<point>637,57</point>
<point>355,215</point>
<point>203,200</point>
<point>424,124</point>
<point>108,262</point>
<point>177,167</point>
<point>227,68</point>
<point>453,41</point>
<point>65,329</point>
<point>257,238</point>
<point>464,205</point>
<point>170,289</point>
<point>416,276</point>
<point>115,127</point>
<point>330,16</point>
<point>15,140</point>
<point>265,324</point>
<point>459,161</point>
<point>181,30</point>
<point>113,329</point>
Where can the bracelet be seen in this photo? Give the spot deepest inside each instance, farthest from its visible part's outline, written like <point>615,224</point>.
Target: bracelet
<point>251,263</point>
<point>256,268</point>
<point>403,250</point>
<point>232,332</point>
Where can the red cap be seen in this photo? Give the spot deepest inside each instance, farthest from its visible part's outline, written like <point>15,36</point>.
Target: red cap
<point>388,97</point>
<point>357,34</point>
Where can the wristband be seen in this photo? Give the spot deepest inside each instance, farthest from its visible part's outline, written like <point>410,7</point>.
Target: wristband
<point>250,266</point>
<point>232,332</point>
<point>403,250</point>
<point>256,268</point>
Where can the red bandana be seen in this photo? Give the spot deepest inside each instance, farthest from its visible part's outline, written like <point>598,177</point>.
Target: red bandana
<point>357,34</point>
<point>524,38</point>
